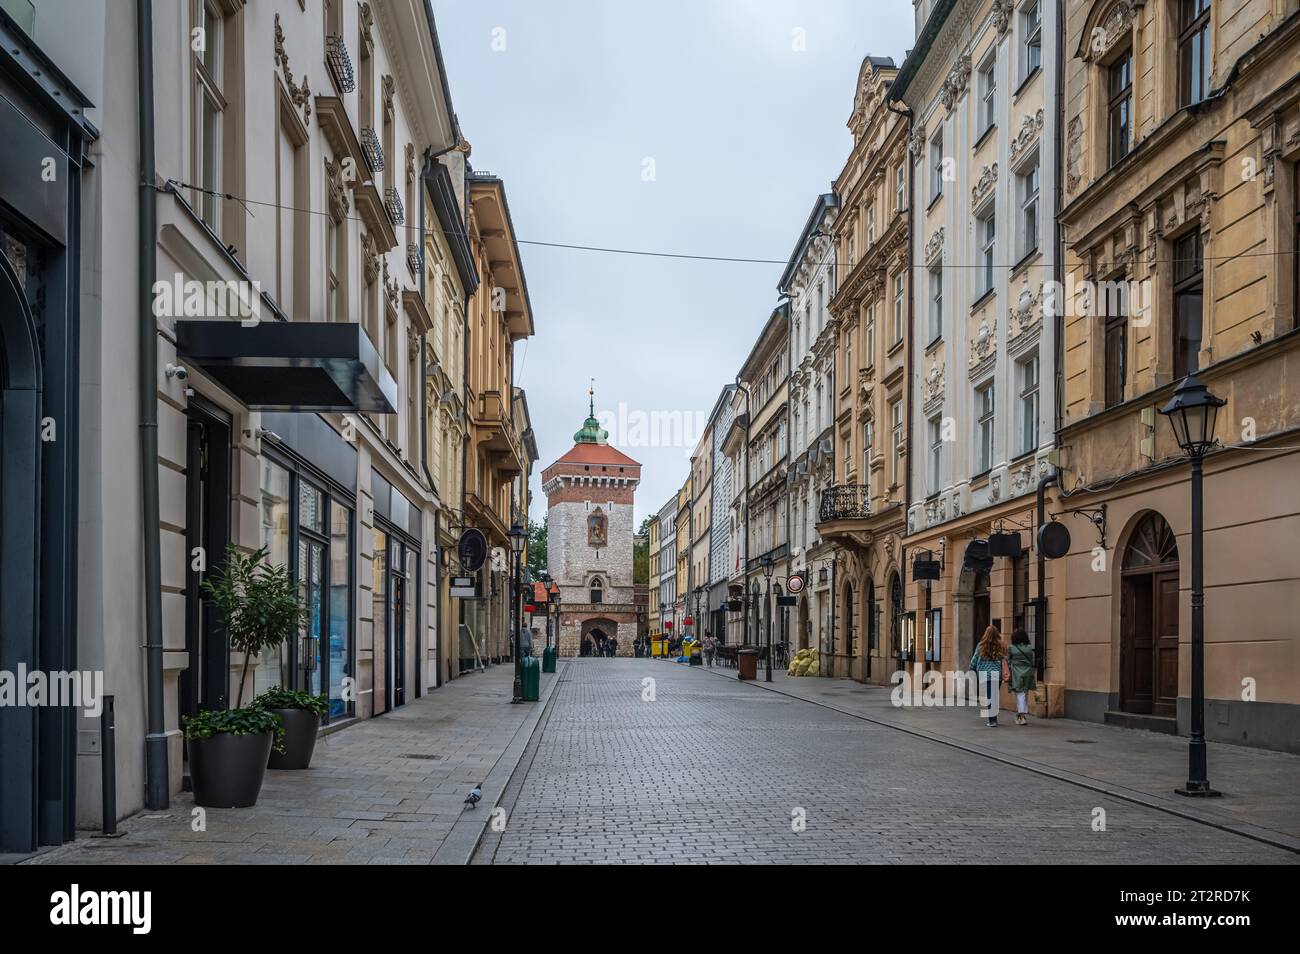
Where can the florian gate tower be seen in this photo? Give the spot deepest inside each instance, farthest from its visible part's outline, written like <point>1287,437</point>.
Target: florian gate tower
<point>589,494</point>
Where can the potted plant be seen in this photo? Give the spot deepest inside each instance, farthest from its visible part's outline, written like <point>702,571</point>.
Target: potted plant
<point>260,607</point>
<point>228,753</point>
<point>300,713</point>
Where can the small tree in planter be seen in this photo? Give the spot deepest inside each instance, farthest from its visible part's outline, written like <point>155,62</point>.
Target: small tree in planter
<point>301,714</point>
<point>260,607</point>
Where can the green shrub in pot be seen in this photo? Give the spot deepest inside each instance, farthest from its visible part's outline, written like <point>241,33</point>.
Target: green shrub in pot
<point>301,713</point>
<point>228,753</point>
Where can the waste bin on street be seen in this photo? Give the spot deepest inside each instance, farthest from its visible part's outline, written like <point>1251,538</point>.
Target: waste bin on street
<point>532,678</point>
<point>548,659</point>
<point>747,663</point>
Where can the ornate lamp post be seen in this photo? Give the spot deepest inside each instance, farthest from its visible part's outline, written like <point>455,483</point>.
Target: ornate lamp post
<point>1192,413</point>
<point>768,566</point>
<point>518,537</point>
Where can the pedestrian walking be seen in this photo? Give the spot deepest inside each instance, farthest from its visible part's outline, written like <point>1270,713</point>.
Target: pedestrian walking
<point>710,648</point>
<point>989,662</point>
<point>1020,659</point>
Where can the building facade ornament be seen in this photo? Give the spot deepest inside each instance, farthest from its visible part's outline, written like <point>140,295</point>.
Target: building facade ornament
<point>338,190</point>
<point>935,244</point>
<point>1000,16</point>
<point>984,343</point>
<point>955,85</point>
<point>1110,32</point>
<point>1025,312</point>
<point>984,185</point>
<point>934,382</point>
<point>1030,127</point>
<point>299,93</point>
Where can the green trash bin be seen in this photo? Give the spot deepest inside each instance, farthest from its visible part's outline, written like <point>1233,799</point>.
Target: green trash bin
<point>548,659</point>
<point>532,678</point>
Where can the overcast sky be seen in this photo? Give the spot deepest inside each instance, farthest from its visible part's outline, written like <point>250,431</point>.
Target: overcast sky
<point>697,127</point>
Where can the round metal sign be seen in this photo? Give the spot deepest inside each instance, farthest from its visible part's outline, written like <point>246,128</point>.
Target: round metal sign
<point>794,584</point>
<point>472,549</point>
<point>1054,540</point>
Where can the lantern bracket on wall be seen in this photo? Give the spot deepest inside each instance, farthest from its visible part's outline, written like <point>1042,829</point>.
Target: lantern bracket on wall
<point>1095,515</point>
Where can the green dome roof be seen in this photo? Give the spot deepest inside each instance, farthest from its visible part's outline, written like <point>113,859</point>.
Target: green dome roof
<point>591,431</point>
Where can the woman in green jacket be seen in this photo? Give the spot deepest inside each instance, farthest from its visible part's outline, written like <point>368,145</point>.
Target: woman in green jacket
<point>1021,662</point>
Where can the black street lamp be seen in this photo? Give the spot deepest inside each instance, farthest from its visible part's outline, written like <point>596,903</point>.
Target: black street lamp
<point>1192,413</point>
<point>518,537</point>
<point>768,567</point>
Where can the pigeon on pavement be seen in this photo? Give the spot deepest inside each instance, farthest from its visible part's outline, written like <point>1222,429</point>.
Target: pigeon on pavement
<point>475,796</point>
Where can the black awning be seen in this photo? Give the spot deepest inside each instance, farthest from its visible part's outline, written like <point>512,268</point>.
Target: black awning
<point>290,365</point>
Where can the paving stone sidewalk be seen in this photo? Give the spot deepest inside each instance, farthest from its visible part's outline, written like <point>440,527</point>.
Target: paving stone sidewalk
<point>388,790</point>
<point>1261,789</point>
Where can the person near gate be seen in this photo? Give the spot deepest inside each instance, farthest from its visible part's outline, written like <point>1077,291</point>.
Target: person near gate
<point>710,648</point>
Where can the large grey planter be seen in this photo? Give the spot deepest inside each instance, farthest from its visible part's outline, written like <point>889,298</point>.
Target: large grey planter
<point>300,728</point>
<point>227,770</point>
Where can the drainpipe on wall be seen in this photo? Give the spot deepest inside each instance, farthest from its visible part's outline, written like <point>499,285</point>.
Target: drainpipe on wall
<point>911,340</point>
<point>156,791</point>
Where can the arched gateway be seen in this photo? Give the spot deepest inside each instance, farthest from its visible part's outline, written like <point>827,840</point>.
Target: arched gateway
<point>589,526</point>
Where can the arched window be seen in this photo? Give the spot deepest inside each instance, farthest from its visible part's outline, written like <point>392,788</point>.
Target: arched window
<point>597,590</point>
<point>1153,544</point>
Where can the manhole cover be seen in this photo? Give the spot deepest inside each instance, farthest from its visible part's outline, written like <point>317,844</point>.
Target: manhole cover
<point>417,755</point>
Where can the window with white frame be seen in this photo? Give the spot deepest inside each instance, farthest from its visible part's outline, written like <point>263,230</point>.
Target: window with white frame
<point>209,110</point>
<point>1027,371</point>
<point>871,225</point>
<point>870,337</point>
<point>984,408</point>
<point>936,305</point>
<point>988,93</point>
<point>868,438</point>
<point>900,187</point>
<point>1027,184</point>
<point>897,329</point>
<point>1031,38</point>
<point>934,472</point>
<point>895,442</point>
<point>986,228</point>
<point>936,165</point>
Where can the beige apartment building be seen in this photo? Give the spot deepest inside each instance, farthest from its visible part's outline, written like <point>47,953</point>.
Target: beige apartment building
<point>979,86</point>
<point>863,514</point>
<point>1182,151</point>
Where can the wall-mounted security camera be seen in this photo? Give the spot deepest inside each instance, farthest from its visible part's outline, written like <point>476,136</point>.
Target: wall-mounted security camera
<point>175,371</point>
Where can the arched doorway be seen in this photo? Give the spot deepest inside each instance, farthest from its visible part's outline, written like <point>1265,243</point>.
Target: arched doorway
<point>20,471</point>
<point>849,621</point>
<point>972,605</point>
<point>1148,648</point>
<point>895,614</point>
<point>804,624</point>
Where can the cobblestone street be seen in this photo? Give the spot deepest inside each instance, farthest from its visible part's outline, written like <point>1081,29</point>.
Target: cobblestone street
<point>716,771</point>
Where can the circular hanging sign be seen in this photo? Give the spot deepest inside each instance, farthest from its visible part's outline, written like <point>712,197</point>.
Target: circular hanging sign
<point>794,584</point>
<point>1054,540</point>
<point>472,549</point>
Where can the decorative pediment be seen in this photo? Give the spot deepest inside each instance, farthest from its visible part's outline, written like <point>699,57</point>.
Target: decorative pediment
<point>1030,127</point>
<point>933,384</point>
<point>934,245</point>
<point>984,185</point>
<point>984,344</point>
<point>1108,25</point>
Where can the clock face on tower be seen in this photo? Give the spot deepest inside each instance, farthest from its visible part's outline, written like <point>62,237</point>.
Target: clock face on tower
<point>597,529</point>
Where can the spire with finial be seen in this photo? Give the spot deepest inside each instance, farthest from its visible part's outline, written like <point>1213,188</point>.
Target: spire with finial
<point>591,431</point>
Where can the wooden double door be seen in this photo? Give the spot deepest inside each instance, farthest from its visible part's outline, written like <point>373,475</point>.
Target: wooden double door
<point>1149,622</point>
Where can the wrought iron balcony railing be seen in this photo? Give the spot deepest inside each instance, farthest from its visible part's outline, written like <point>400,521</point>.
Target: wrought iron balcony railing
<point>340,64</point>
<point>393,203</point>
<point>372,150</point>
<point>414,257</point>
<point>845,502</point>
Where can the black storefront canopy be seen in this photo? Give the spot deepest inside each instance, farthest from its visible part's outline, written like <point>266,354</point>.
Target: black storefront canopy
<point>290,365</point>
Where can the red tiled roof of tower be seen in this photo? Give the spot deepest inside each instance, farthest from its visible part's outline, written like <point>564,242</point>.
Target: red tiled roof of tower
<point>597,454</point>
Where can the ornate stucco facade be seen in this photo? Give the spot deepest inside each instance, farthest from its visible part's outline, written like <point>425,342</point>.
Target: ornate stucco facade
<point>983,158</point>
<point>1191,204</point>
